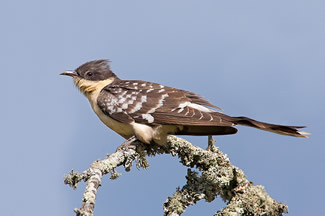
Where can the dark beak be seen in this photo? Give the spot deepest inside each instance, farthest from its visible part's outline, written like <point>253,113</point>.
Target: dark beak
<point>69,73</point>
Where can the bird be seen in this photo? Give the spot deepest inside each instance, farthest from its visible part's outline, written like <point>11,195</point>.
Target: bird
<point>149,112</point>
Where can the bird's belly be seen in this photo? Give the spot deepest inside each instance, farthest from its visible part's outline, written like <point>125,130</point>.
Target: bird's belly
<point>122,129</point>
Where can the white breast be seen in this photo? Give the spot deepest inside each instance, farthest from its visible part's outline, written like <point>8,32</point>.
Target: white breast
<point>122,129</point>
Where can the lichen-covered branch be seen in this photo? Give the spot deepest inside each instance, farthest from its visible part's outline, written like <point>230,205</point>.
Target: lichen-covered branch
<point>123,156</point>
<point>218,177</point>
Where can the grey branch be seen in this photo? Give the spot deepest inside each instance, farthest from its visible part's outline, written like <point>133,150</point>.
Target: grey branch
<point>216,176</point>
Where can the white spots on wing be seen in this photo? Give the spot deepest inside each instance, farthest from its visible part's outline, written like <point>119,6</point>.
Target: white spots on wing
<point>159,104</point>
<point>109,108</point>
<point>131,101</point>
<point>149,90</point>
<point>148,117</point>
<point>122,99</point>
<point>161,90</point>
<point>211,118</point>
<point>127,82</point>
<point>125,105</point>
<point>143,84</point>
<point>109,105</point>
<point>138,105</point>
<point>163,98</point>
<point>135,85</point>
<point>161,86</point>
<point>182,106</point>
<point>201,116</point>
<point>143,98</point>
<point>200,107</point>
<point>119,109</point>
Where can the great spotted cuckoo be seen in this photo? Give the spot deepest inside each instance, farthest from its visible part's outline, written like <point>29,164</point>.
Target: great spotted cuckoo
<point>150,111</point>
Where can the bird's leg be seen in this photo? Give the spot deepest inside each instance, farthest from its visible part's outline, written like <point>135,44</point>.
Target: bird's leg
<point>136,154</point>
<point>128,144</point>
<point>211,142</point>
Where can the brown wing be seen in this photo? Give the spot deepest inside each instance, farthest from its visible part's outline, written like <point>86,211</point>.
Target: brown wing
<point>181,109</point>
<point>155,104</point>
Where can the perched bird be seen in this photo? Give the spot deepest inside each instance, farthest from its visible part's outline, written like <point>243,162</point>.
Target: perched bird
<point>150,111</point>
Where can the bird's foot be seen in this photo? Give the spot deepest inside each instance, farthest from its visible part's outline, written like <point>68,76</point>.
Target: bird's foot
<point>128,144</point>
<point>138,154</point>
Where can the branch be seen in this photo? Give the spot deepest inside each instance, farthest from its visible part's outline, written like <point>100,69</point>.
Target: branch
<point>218,177</point>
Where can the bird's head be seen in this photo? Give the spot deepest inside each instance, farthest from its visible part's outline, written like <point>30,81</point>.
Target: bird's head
<point>92,76</point>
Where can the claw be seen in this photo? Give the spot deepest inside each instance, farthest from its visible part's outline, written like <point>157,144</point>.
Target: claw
<point>128,144</point>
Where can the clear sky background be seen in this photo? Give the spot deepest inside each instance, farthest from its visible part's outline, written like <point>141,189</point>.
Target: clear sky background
<point>262,59</point>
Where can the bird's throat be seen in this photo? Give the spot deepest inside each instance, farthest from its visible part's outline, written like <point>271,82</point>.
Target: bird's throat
<point>89,87</point>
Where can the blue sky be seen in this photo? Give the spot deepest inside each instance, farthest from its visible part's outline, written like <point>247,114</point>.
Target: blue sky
<point>262,59</point>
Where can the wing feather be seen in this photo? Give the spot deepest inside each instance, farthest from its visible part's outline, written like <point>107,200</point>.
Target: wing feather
<point>155,104</point>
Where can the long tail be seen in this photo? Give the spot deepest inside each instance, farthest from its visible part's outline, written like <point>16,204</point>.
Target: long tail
<point>279,129</point>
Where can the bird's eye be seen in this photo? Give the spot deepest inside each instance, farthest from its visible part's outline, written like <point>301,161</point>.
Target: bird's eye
<point>89,74</point>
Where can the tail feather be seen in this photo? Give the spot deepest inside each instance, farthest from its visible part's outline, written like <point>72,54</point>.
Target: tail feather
<point>195,130</point>
<point>279,129</point>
